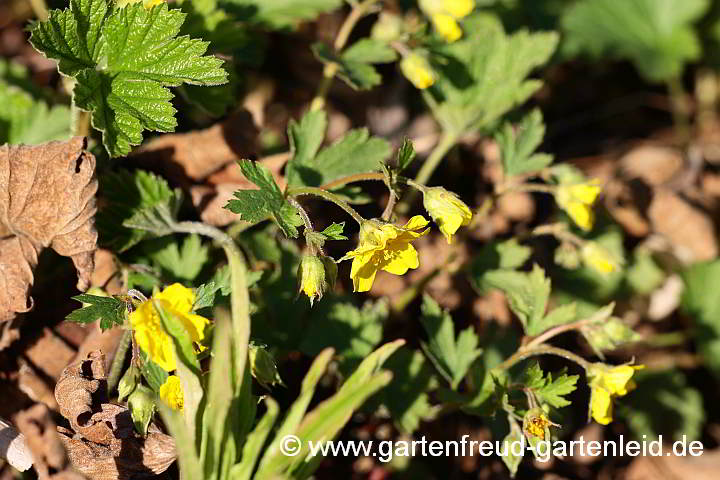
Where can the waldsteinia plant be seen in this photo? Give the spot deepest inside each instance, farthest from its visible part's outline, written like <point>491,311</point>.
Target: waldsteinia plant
<point>207,332</point>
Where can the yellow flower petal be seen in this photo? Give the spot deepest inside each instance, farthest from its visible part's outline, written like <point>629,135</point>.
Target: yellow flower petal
<point>577,200</point>
<point>446,26</point>
<point>618,379</point>
<point>364,278</point>
<point>171,392</point>
<point>418,70</point>
<point>459,8</point>
<point>601,405</point>
<point>581,214</point>
<point>401,259</point>
<point>151,337</point>
<point>178,296</point>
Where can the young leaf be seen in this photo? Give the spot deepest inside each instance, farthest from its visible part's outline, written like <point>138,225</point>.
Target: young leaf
<point>405,155</point>
<point>205,293</point>
<point>267,202</point>
<point>656,35</point>
<point>335,231</point>
<point>126,194</point>
<point>546,389</point>
<point>123,60</point>
<point>517,146</point>
<point>109,310</point>
<point>451,357</point>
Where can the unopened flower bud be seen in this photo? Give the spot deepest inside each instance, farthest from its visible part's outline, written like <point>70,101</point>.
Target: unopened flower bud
<point>388,27</point>
<point>418,70</point>
<point>316,275</point>
<point>263,366</point>
<point>447,210</point>
<point>598,258</point>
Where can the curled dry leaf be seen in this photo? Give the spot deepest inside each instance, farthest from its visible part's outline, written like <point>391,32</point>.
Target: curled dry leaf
<point>102,443</point>
<point>49,456</point>
<point>47,199</point>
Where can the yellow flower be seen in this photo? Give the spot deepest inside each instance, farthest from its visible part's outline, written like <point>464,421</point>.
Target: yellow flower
<point>171,392</point>
<point>597,257</point>
<point>384,246</point>
<point>149,4</point>
<point>607,383</point>
<point>149,332</point>
<point>417,69</point>
<point>459,8</point>
<point>577,201</point>
<point>447,210</point>
<point>446,26</point>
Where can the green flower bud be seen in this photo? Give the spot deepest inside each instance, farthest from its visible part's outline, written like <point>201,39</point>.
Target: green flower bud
<point>388,27</point>
<point>316,275</point>
<point>142,407</point>
<point>128,382</point>
<point>608,334</point>
<point>447,210</point>
<point>263,366</point>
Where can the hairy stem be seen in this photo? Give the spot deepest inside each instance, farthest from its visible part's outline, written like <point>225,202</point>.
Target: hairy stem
<point>331,197</point>
<point>358,177</point>
<point>239,295</point>
<point>80,120</point>
<point>358,11</point>
<point>525,352</point>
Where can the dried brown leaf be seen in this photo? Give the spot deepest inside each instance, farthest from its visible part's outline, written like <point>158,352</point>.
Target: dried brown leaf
<point>49,457</point>
<point>102,443</point>
<point>47,199</point>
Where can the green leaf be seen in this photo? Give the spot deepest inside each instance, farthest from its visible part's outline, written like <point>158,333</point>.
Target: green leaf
<point>527,293</point>
<point>279,14</point>
<point>701,300</point>
<point>548,390</point>
<point>25,120</point>
<point>358,74</point>
<point>254,443</point>
<point>267,202</point>
<point>405,154</point>
<point>123,60</point>
<point>407,396</point>
<point>305,138</point>
<point>126,194</point>
<point>559,316</point>
<point>484,75</point>
<point>184,263</point>
<point>188,461</point>
<point>335,231</point>
<point>353,332</point>
<point>451,357</point>
<point>153,373</point>
<point>109,310</point>
<point>220,282</point>
<point>506,255</point>
<point>370,50</point>
<point>518,144</point>
<point>656,35</point>
<point>356,152</point>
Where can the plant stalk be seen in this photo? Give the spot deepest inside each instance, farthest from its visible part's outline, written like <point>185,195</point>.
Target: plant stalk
<point>331,197</point>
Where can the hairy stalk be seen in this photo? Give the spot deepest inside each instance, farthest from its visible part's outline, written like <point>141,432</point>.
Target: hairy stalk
<point>446,143</point>
<point>303,214</point>
<point>525,352</point>
<point>331,197</point>
<point>358,177</point>
<point>119,360</point>
<point>547,335</point>
<point>358,11</point>
<point>80,120</point>
<point>239,295</point>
